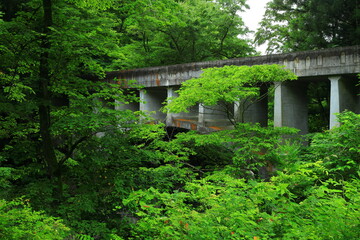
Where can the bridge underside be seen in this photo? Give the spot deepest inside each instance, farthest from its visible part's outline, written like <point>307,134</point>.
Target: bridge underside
<point>290,106</point>
<point>335,68</point>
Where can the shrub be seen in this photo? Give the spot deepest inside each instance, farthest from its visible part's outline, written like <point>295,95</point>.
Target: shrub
<point>339,148</point>
<point>19,221</point>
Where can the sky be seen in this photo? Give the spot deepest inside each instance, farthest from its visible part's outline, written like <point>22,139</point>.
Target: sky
<point>253,16</point>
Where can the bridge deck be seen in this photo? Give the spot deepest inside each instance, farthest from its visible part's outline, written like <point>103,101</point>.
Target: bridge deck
<point>305,64</point>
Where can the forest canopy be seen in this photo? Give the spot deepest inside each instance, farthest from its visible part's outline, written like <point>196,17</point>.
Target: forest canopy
<point>74,164</point>
<point>293,25</point>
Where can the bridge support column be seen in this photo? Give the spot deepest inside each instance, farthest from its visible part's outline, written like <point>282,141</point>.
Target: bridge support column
<point>170,116</point>
<point>257,111</point>
<point>290,105</point>
<point>151,100</point>
<point>343,96</point>
<point>187,120</point>
<point>201,115</point>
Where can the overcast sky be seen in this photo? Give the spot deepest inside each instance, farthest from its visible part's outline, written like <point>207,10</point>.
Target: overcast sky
<point>253,16</point>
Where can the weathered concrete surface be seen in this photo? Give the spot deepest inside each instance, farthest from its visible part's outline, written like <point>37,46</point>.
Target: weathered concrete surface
<point>320,63</point>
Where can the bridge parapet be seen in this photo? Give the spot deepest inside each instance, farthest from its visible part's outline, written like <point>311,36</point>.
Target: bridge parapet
<point>319,63</point>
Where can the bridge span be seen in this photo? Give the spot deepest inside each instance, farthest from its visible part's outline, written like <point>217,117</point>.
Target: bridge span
<point>337,66</point>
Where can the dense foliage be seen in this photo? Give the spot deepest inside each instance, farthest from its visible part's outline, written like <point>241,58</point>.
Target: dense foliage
<point>75,166</point>
<point>325,24</point>
<point>312,195</point>
<point>168,31</point>
<point>19,221</point>
<point>139,186</point>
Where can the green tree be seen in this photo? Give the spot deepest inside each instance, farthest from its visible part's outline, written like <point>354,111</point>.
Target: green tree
<point>53,52</point>
<point>169,32</point>
<point>54,110</point>
<point>228,85</point>
<point>324,23</point>
<point>63,142</point>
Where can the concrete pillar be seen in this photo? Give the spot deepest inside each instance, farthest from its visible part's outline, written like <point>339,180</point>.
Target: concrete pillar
<point>290,105</point>
<point>184,119</point>
<point>334,100</point>
<point>343,96</point>
<point>257,110</point>
<point>169,116</point>
<point>152,100</point>
<point>201,116</point>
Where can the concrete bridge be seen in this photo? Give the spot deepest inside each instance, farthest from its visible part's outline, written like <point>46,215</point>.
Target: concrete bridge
<point>337,66</point>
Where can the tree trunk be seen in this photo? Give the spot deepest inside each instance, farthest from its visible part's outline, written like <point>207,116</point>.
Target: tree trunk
<point>47,145</point>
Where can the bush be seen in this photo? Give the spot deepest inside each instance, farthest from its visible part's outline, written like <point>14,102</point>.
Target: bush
<point>222,207</point>
<point>19,221</point>
<point>339,148</point>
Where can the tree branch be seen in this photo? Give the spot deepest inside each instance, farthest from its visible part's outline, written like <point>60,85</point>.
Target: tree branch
<point>72,149</point>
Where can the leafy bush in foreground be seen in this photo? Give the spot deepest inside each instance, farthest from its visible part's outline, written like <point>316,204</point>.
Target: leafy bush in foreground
<point>339,148</point>
<point>222,207</point>
<point>19,221</point>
